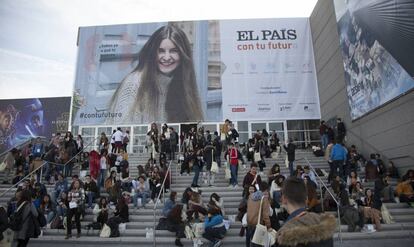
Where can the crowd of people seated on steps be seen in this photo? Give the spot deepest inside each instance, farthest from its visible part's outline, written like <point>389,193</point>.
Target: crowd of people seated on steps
<point>350,171</point>
<point>101,170</point>
<point>107,169</point>
<point>192,209</point>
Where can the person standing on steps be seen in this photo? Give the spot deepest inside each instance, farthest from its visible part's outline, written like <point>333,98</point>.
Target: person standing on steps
<point>76,198</point>
<point>290,149</point>
<point>233,156</point>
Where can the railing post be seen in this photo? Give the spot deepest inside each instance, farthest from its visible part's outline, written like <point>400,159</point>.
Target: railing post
<point>339,222</point>
<point>333,197</point>
<point>153,229</point>
<point>158,199</point>
<point>320,188</point>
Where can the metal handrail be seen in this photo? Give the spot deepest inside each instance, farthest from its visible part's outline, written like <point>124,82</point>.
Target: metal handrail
<point>322,183</point>
<point>40,167</point>
<point>157,200</point>
<point>28,141</point>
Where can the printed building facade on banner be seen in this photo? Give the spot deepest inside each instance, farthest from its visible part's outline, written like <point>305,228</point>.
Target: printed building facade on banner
<point>376,39</point>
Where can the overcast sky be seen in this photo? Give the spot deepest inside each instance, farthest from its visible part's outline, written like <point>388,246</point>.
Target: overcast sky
<point>38,37</point>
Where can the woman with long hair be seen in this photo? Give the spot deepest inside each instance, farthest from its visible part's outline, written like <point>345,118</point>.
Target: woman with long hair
<point>175,223</point>
<point>76,198</point>
<point>48,208</point>
<point>101,211</point>
<point>27,231</point>
<point>163,85</point>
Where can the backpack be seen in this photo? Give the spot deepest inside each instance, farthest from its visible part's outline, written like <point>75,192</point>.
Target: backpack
<point>16,219</point>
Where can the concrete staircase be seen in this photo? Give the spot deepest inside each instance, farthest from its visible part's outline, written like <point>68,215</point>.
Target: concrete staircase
<point>140,220</point>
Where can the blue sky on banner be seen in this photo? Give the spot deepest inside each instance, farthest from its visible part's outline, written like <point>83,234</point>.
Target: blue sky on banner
<point>38,38</point>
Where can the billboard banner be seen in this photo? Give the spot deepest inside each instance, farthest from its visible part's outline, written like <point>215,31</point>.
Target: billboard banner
<point>187,72</point>
<point>22,119</point>
<point>376,40</point>
<point>270,71</point>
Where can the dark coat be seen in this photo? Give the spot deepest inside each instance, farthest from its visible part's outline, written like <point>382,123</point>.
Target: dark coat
<point>209,155</point>
<point>290,149</point>
<point>3,221</point>
<point>308,230</point>
<point>27,230</point>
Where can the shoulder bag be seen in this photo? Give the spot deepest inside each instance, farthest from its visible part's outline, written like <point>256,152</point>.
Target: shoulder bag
<point>261,235</point>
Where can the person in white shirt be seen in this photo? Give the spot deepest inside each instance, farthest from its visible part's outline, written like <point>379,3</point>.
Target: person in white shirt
<point>118,136</point>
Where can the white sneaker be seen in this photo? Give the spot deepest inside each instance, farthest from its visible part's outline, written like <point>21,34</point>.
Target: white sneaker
<point>231,186</point>
<point>236,186</point>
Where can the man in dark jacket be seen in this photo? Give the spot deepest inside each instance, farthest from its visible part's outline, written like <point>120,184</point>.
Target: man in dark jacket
<point>303,228</point>
<point>341,130</point>
<point>3,222</point>
<point>290,150</point>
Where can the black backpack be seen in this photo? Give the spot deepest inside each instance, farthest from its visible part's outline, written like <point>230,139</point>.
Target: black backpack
<point>16,219</point>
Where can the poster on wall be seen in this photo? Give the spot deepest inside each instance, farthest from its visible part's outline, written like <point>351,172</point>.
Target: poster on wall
<point>23,119</point>
<point>270,70</point>
<point>176,72</point>
<point>376,40</point>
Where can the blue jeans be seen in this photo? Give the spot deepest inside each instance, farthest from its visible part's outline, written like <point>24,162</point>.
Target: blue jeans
<point>91,196</point>
<point>336,164</point>
<point>277,195</point>
<point>218,159</point>
<point>291,168</point>
<point>47,171</point>
<point>50,217</point>
<point>143,195</point>
<point>196,169</point>
<point>61,211</point>
<point>233,170</point>
<point>101,178</point>
<point>325,141</point>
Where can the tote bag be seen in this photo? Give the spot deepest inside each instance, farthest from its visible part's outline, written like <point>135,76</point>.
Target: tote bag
<point>261,235</point>
<point>214,166</point>
<point>257,157</point>
<point>106,231</point>
<point>228,172</point>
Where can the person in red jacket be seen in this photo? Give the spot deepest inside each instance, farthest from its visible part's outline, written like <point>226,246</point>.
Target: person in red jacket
<point>233,156</point>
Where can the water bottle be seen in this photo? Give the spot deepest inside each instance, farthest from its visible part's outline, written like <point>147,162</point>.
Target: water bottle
<point>147,233</point>
<point>151,233</point>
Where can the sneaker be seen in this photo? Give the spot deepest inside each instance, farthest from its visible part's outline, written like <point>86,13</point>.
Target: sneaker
<point>236,186</point>
<point>68,236</point>
<point>78,235</point>
<point>231,186</point>
<point>218,244</point>
<point>178,242</point>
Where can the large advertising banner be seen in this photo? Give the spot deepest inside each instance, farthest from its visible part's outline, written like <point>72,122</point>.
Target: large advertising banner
<point>270,70</point>
<point>22,119</point>
<point>186,72</point>
<point>376,39</point>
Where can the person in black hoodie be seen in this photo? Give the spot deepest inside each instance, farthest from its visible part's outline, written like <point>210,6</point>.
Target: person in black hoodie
<point>290,150</point>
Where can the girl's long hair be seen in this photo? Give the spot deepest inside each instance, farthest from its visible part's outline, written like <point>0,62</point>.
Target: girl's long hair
<point>182,102</point>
